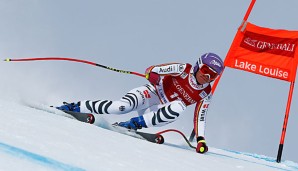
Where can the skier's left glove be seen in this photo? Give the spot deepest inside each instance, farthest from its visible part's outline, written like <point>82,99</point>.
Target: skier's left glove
<point>152,77</point>
<point>201,146</point>
<point>134,123</point>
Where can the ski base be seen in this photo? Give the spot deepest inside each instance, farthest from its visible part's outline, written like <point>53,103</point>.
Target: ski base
<point>83,117</point>
<point>154,138</point>
<point>89,118</point>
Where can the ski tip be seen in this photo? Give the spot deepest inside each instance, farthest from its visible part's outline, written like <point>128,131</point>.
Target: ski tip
<point>7,59</point>
<point>115,124</point>
<point>159,139</point>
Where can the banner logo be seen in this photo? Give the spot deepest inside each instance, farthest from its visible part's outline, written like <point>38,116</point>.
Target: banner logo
<point>274,45</point>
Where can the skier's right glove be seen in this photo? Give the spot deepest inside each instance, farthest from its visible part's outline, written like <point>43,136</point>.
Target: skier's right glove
<point>201,146</point>
<point>152,77</point>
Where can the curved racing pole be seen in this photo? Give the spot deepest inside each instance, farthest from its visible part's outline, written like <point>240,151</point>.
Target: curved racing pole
<point>74,60</point>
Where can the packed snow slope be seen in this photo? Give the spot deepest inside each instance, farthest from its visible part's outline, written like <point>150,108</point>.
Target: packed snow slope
<point>32,139</point>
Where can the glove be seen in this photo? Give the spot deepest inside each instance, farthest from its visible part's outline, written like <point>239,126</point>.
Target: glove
<point>152,77</point>
<point>201,146</point>
<point>134,123</point>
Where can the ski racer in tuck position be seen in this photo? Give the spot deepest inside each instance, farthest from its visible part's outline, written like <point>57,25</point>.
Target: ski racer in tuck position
<point>172,88</point>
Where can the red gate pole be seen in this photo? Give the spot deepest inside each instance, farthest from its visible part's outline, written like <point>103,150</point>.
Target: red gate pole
<point>284,128</point>
<point>251,5</point>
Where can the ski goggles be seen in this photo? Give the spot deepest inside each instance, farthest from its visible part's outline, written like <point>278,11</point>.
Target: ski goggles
<point>206,70</point>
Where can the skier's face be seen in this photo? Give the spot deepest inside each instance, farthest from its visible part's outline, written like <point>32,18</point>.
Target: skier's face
<point>202,78</point>
<point>205,74</point>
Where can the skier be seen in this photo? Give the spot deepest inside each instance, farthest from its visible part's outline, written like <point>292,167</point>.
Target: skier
<point>172,88</point>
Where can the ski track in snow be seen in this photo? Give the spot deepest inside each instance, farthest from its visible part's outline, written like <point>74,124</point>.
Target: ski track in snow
<point>39,140</point>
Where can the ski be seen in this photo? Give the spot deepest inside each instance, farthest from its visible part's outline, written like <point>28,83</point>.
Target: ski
<point>83,117</point>
<point>89,118</point>
<point>154,138</point>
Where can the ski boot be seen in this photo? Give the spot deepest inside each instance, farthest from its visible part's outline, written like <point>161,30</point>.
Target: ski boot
<point>134,123</point>
<point>72,107</point>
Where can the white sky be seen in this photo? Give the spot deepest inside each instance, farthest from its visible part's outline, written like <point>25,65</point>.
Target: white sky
<point>247,110</point>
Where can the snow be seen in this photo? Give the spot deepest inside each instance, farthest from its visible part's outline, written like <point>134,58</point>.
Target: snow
<point>32,139</point>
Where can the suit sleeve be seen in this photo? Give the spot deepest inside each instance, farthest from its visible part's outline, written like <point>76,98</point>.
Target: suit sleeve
<point>169,69</point>
<point>200,114</point>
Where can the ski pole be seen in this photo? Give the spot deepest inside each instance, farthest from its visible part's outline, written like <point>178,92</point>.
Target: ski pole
<point>74,60</point>
<point>177,131</point>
